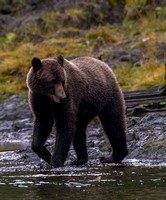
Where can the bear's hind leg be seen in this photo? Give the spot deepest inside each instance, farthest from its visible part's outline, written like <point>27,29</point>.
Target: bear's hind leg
<point>113,121</point>
<point>79,143</point>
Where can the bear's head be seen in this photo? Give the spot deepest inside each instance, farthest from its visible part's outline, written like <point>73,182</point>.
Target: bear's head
<point>48,77</point>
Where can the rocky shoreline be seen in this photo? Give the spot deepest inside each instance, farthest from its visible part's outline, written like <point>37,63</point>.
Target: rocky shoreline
<point>146,137</point>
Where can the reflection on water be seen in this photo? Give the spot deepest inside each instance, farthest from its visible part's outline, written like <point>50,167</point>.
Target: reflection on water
<point>116,182</point>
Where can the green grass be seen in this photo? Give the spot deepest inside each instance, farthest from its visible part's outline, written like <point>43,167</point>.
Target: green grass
<point>147,31</point>
<point>149,75</point>
<point>17,3</point>
<point>136,3</point>
<point>4,1</point>
<point>17,61</point>
<point>107,34</point>
<point>74,12</point>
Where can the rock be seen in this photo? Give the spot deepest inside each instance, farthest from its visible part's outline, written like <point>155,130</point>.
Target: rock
<point>23,123</point>
<point>132,121</point>
<point>14,108</point>
<point>161,52</point>
<point>32,2</point>
<point>112,66</point>
<point>122,58</point>
<point>137,64</point>
<point>125,58</point>
<point>6,10</point>
<point>33,38</point>
<point>17,17</point>
<point>163,136</point>
<point>147,137</point>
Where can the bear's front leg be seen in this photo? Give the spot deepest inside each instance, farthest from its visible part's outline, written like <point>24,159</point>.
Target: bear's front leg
<point>41,131</point>
<point>64,137</point>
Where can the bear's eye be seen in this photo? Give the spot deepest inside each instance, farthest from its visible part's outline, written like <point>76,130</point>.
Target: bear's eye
<point>48,85</point>
<point>54,81</point>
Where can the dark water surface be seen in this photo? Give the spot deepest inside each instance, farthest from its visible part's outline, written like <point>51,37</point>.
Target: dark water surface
<point>133,180</point>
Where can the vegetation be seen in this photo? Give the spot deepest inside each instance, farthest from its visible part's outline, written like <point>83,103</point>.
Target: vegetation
<point>148,75</point>
<point>146,30</point>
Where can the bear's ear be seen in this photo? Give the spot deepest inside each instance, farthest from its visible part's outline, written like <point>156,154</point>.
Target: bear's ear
<point>60,60</point>
<point>36,64</point>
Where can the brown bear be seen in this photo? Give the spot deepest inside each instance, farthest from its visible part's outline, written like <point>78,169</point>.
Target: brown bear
<point>70,94</point>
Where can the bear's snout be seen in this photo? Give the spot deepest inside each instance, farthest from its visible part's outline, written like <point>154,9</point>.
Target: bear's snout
<point>59,95</point>
<point>63,99</point>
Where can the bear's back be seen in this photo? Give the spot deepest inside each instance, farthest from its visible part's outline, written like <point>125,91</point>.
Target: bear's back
<point>88,63</point>
<point>95,70</point>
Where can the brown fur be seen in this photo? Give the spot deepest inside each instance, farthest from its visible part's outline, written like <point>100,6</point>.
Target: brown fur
<point>90,89</point>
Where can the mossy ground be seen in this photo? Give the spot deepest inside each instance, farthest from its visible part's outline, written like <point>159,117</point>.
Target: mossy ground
<point>148,31</point>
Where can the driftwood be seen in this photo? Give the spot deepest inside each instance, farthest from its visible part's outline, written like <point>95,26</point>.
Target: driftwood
<point>154,95</point>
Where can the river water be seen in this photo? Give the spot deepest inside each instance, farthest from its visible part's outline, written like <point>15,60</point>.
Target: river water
<point>134,179</point>
<point>22,177</point>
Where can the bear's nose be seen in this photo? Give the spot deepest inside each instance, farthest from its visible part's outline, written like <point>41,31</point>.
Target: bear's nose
<point>63,99</point>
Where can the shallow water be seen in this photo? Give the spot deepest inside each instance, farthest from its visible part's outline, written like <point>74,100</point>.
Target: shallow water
<point>132,180</point>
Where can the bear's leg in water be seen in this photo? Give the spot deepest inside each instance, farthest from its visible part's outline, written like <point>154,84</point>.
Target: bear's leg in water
<point>41,131</point>
<point>113,121</point>
<point>65,130</point>
<point>79,143</point>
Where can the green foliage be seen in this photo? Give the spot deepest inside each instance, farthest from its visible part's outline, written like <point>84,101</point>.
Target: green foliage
<point>161,12</point>
<point>147,24</point>
<point>75,12</point>
<point>103,34</point>
<point>144,77</point>
<point>49,19</point>
<point>140,4</point>
<point>125,75</point>
<point>4,1</point>
<point>15,60</point>
<point>113,3</point>
<point>131,27</point>
<point>20,1</point>
<point>9,37</point>
<point>74,17</point>
<point>154,23</point>
<point>47,25</point>
<point>146,32</point>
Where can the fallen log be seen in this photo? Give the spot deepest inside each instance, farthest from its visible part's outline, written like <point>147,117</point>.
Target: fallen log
<point>149,96</point>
